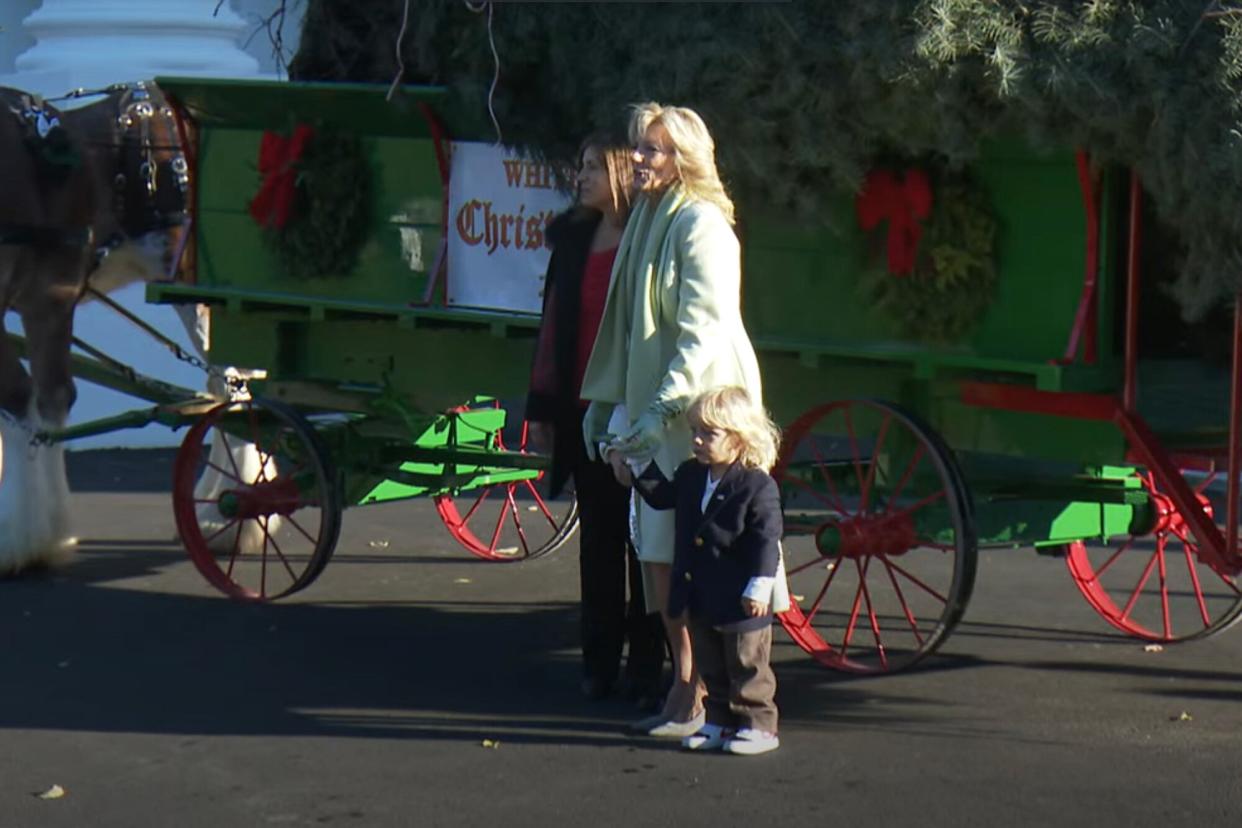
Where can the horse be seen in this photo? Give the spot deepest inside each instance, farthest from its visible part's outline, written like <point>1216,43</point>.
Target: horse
<point>95,197</point>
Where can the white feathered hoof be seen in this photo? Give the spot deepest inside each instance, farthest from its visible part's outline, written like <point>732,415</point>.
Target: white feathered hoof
<point>34,501</point>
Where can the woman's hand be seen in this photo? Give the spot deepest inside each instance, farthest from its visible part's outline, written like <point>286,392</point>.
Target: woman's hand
<point>753,608</point>
<point>620,468</point>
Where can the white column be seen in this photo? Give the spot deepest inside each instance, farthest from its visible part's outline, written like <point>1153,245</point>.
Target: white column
<point>93,43</point>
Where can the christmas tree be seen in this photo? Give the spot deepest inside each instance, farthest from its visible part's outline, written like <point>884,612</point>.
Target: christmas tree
<point>802,97</point>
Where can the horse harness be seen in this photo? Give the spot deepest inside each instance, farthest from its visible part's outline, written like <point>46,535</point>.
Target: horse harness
<point>152,178</point>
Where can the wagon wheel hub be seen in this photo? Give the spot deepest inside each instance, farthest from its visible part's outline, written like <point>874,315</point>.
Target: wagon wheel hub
<point>273,497</point>
<point>1169,519</point>
<point>861,536</point>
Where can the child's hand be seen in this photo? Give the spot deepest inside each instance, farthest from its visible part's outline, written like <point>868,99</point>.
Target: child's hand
<point>754,609</point>
<point>620,468</point>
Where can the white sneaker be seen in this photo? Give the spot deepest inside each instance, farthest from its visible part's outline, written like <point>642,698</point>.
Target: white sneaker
<point>678,730</point>
<point>748,742</point>
<point>708,737</point>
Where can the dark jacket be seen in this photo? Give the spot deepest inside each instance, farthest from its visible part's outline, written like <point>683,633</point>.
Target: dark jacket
<point>553,397</point>
<point>718,551</point>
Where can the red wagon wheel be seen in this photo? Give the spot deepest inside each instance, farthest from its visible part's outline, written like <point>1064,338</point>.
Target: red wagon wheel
<point>264,521</point>
<point>1153,582</point>
<point>880,541</point>
<point>510,520</point>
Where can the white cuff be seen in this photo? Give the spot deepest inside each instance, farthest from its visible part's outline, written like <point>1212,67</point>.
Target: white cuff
<point>759,589</point>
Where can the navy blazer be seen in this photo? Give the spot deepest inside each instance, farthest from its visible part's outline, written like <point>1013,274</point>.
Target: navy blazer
<point>718,550</point>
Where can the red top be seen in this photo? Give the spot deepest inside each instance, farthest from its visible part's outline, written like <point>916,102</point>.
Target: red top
<point>591,311</point>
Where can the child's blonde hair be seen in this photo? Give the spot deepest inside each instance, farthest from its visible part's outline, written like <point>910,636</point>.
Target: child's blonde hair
<point>731,409</point>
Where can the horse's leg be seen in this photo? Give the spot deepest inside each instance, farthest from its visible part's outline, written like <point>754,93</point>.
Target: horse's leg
<point>34,493</point>
<point>48,320</point>
<point>49,336</point>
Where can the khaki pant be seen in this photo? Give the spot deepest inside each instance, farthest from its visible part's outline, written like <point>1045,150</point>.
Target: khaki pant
<point>741,686</point>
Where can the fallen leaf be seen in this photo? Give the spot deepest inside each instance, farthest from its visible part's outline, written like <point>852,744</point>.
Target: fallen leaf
<point>798,598</point>
<point>54,792</point>
<point>1182,717</point>
<point>532,508</point>
<point>379,544</point>
<point>507,550</point>
<point>1154,648</point>
<point>461,580</point>
<point>489,743</point>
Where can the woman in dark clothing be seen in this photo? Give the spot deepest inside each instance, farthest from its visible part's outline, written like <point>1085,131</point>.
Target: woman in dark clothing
<point>584,243</point>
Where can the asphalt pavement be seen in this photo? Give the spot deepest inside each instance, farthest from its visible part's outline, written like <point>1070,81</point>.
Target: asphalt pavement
<point>412,685</point>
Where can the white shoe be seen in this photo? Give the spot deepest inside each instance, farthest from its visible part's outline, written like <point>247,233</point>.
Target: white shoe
<point>708,737</point>
<point>678,730</point>
<point>748,742</point>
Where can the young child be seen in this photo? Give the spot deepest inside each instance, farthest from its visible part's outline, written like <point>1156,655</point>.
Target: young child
<point>728,530</point>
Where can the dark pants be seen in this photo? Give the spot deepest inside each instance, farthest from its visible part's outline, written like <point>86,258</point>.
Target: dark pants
<point>741,687</point>
<point>606,558</point>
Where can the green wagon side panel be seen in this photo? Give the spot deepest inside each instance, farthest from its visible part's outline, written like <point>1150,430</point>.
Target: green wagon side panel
<point>432,368</point>
<point>393,265</point>
<point>802,282</point>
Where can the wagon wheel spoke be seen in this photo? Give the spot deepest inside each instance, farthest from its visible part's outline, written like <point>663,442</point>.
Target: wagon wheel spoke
<point>279,554</point>
<point>226,528</point>
<point>855,608</point>
<point>943,599</point>
<point>814,610</point>
<point>876,453</point>
<point>905,478</point>
<point>517,521</point>
<point>1142,582</point>
<point>539,502</point>
<point>253,419</point>
<point>228,452</point>
<point>478,501</point>
<point>298,526</point>
<point>854,452</point>
<point>500,520</point>
<point>833,498</point>
<point>825,562</point>
<point>224,473</point>
<point>1189,559</point>
<point>802,485</point>
<point>235,549</point>
<point>889,567</point>
<point>1112,559</point>
<point>874,622</point>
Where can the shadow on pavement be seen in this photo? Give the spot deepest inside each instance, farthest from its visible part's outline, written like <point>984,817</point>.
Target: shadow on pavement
<point>102,655</point>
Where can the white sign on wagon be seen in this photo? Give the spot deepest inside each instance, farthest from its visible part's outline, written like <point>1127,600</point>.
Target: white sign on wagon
<point>499,206</point>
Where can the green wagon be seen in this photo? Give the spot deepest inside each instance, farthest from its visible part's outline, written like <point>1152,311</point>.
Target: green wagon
<point>1038,424</point>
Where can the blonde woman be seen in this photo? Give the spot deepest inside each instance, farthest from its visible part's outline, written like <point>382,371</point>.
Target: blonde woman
<point>672,329</point>
<point>725,568</point>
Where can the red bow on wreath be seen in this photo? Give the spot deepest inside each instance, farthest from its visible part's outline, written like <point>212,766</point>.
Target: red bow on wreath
<point>903,201</point>
<point>278,157</point>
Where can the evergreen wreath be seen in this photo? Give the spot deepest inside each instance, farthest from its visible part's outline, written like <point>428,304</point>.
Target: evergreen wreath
<point>953,279</point>
<point>322,229</point>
